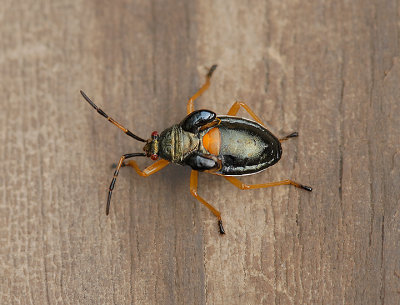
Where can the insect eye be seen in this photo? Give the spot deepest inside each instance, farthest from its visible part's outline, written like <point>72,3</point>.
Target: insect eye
<point>154,134</point>
<point>154,157</point>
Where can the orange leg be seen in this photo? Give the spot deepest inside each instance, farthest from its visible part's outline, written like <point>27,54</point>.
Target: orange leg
<point>236,182</point>
<point>193,190</point>
<point>235,108</point>
<point>155,167</point>
<point>190,105</point>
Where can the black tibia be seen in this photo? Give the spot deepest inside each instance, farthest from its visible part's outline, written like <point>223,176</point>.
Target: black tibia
<point>292,135</point>
<point>307,188</point>
<point>128,132</point>
<point>202,162</point>
<point>211,71</point>
<point>120,163</point>
<point>197,119</point>
<point>221,228</point>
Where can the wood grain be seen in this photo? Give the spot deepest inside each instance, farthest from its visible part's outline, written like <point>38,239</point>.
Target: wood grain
<point>329,70</point>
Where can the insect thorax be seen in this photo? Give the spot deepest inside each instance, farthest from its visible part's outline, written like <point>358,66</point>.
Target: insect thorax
<point>176,144</point>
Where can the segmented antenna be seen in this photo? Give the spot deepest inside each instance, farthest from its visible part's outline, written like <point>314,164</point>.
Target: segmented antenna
<point>128,132</point>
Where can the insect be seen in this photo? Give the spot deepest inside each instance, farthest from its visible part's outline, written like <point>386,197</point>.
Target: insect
<point>223,145</point>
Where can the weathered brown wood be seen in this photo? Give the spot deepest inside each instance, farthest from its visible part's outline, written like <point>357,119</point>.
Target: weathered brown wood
<point>328,70</point>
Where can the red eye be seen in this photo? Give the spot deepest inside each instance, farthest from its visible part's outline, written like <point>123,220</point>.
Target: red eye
<point>154,157</point>
<point>154,134</point>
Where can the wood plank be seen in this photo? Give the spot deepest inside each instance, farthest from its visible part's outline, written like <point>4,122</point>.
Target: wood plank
<point>329,71</point>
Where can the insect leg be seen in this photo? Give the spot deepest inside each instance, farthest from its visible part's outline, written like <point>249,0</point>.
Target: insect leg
<point>126,156</point>
<point>292,135</point>
<point>236,182</point>
<point>193,190</point>
<point>190,105</point>
<point>155,167</point>
<point>110,119</point>
<point>236,106</point>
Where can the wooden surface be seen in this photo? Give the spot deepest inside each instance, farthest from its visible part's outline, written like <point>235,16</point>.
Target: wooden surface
<point>329,70</point>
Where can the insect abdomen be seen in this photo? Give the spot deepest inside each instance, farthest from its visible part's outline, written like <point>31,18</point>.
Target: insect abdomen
<point>246,147</point>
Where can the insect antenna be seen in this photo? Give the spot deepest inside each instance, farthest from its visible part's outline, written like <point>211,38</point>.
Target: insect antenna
<point>128,132</point>
<point>120,163</point>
